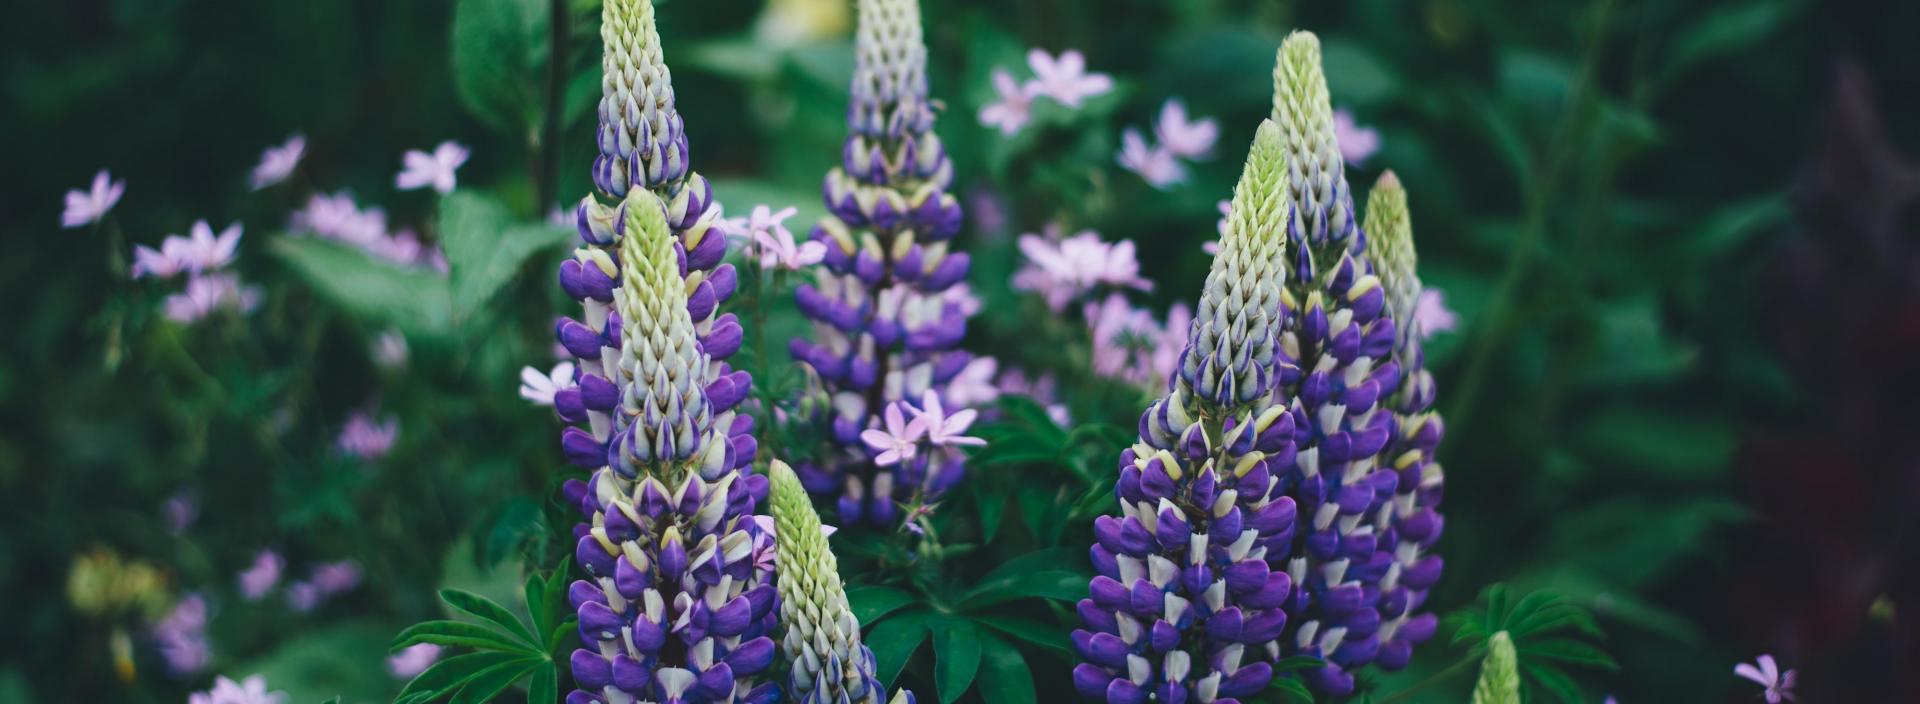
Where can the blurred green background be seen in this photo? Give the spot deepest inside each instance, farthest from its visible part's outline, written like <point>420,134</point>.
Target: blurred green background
<point>1679,241</point>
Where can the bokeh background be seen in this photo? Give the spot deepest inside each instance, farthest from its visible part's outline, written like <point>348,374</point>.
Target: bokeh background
<point>1682,239</point>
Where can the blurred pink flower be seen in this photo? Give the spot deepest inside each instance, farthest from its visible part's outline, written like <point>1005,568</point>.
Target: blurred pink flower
<point>539,388</point>
<point>277,162</point>
<point>1061,270</point>
<point>363,438</point>
<point>1156,165</point>
<point>337,576</point>
<point>88,206</point>
<point>1123,339</point>
<point>897,442</point>
<point>390,349</point>
<point>1356,142</point>
<point>1172,340</point>
<point>773,243</point>
<point>413,660</point>
<point>257,580</point>
<point>1065,79</point>
<point>207,293</point>
<point>201,250</point>
<point>1015,106</point>
<point>1430,313</point>
<point>181,636</point>
<point>225,691</point>
<point>1187,140</point>
<point>179,511</point>
<point>1779,685</point>
<point>436,169</point>
<point>1015,382</point>
<point>973,386</point>
<point>944,430</point>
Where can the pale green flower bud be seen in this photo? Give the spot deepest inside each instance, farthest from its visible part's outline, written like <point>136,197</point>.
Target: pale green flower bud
<point>664,417</point>
<point>642,140</point>
<point>1499,673</point>
<point>1318,182</point>
<point>822,639</point>
<point>1390,248</point>
<point>1230,347</point>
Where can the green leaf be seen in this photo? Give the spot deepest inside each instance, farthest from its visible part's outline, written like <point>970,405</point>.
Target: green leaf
<point>1290,689</point>
<point>1004,676</point>
<point>485,609</point>
<point>993,507</point>
<point>871,603</point>
<point>1726,29</point>
<point>1554,617</point>
<point>956,656</point>
<point>499,51</point>
<point>489,683</point>
<point>1568,650</point>
<point>485,248</point>
<point>1050,584</point>
<point>1555,681</point>
<point>459,634</point>
<point>1298,662</point>
<point>413,299</point>
<point>1053,639</point>
<point>557,608</point>
<point>1354,75</point>
<point>451,673</point>
<point>545,688</point>
<point>746,193</point>
<point>894,640</point>
<point>1659,442</point>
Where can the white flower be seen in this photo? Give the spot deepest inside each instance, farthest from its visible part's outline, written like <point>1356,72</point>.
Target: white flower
<point>1154,164</point>
<point>225,691</point>
<point>1015,106</point>
<point>1065,79</point>
<point>773,242</point>
<point>1187,140</point>
<point>943,429</point>
<point>436,169</point>
<point>87,207</point>
<point>276,163</point>
<point>540,388</point>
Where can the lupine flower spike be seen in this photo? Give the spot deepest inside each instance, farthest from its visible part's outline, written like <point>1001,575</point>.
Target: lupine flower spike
<point>1499,673</point>
<point>887,314</point>
<point>1188,604</point>
<point>676,609</point>
<point>822,638</point>
<point>1355,559</point>
<point>1415,521</point>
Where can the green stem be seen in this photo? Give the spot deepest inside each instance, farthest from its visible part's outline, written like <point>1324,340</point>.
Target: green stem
<point>546,143</point>
<point>1464,665</point>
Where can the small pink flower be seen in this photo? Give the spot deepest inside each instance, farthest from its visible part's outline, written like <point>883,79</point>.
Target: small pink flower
<point>773,242</point>
<point>1061,270</point>
<point>539,388</point>
<point>1123,339</point>
<point>207,293</point>
<point>277,163</point>
<point>225,691</point>
<point>1015,106</point>
<point>899,440</point>
<point>1356,142</point>
<point>1779,685</point>
<point>1156,164</point>
<point>201,250</point>
<point>260,578</point>
<point>363,438</point>
<point>1065,79</point>
<point>87,207</point>
<point>436,169</point>
<point>945,430</point>
<point>973,386</point>
<point>1430,313</point>
<point>1187,140</point>
<point>413,660</point>
<point>390,349</point>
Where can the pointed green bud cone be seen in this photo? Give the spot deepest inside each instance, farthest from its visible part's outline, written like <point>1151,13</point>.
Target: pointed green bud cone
<point>890,56</point>
<point>638,122</point>
<point>1390,246</point>
<point>1230,346</point>
<point>1317,184</point>
<point>1499,673</point>
<point>822,637</point>
<point>664,418</point>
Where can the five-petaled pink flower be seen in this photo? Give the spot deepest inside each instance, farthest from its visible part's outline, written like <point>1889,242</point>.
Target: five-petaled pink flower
<point>1779,685</point>
<point>1015,106</point>
<point>540,388</point>
<point>898,441</point>
<point>945,430</point>
<point>87,207</point>
<point>773,242</point>
<point>1065,78</point>
<point>436,169</point>
<point>1062,270</point>
<point>277,162</point>
<point>1187,140</point>
<point>1356,142</point>
<point>199,252</point>
<point>1156,164</point>
<point>206,293</point>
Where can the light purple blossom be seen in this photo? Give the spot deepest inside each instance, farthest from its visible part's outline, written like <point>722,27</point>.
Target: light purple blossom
<point>1015,106</point>
<point>179,511</point>
<point>1123,340</point>
<point>338,217</point>
<point>257,580</point>
<point>253,690</point>
<point>1041,389</point>
<point>1155,164</point>
<point>1061,270</point>
<point>277,162</point>
<point>207,293</point>
<point>303,597</point>
<point>199,252</point>
<point>1065,78</point>
<point>1212,247</point>
<point>390,349</point>
<point>1766,673</point>
<point>539,388</point>
<point>436,169</point>
<point>326,580</point>
<point>773,242</point>
<point>945,430</point>
<point>413,660</point>
<point>181,636</point>
<point>961,295</point>
<point>363,438</point>
<point>1356,142</point>
<point>1430,313</point>
<point>1187,140</point>
<point>899,440</point>
<point>88,206</point>
<point>974,386</point>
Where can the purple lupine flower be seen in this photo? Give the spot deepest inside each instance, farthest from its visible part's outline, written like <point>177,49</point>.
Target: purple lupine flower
<point>944,429</point>
<point>1188,603</point>
<point>413,660</point>
<point>541,388</point>
<point>89,206</point>
<point>278,162</point>
<point>181,636</point>
<point>260,577</point>
<point>1064,78</point>
<point>886,325</point>
<point>367,439</point>
<point>423,169</point>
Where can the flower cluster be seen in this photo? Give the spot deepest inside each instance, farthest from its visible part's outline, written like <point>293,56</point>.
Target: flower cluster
<point>202,257</point>
<point>1063,79</point>
<point>1161,164</point>
<point>887,314</point>
<point>252,690</point>
<point>1188,603</point>
<point>181,636</point>
<point>1065,269</point>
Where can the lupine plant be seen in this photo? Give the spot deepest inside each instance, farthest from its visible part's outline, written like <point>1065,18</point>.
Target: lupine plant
<point>887,319</point>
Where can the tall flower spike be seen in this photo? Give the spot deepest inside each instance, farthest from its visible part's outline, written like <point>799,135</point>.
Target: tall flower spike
<point>1416,522</point>
<point>887,318</point>
<point>1338,368</point>
<point>1188,603</point>
<point>822,638</point>
<point>642,140</point>
<point>677,607</point>
<point>1499,673</point>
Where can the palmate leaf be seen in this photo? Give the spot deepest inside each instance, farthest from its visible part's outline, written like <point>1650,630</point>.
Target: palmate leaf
<point>460,634</point>
<point>508,651</point>
<point>1004,676</point>
<point>484,609</point>
<point>1288,689</point>
<point>894,640</point>
<point>1055,639</point>
<point>450,674</point>
<point>1541,624</point>
<point>872,603</point>
<point>956,655</point>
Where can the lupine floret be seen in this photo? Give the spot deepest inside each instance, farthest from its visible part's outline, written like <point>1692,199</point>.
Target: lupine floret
<point>822,638</point>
